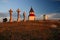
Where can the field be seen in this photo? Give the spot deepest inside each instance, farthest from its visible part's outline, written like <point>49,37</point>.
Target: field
<point>30,30</point>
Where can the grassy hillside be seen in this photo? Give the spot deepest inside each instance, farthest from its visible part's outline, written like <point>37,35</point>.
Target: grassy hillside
<point>30,30</point>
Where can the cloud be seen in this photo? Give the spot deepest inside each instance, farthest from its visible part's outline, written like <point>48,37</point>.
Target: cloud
<point>53,16</point>
<point>2,16</point>
<point>6,15</point>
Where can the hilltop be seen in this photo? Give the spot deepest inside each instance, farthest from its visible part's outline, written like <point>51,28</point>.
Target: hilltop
<point>30,30</point>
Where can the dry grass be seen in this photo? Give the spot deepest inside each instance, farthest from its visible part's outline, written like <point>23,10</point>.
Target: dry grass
<point>30,30</point>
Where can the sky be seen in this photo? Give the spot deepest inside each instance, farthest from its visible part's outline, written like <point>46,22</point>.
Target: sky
<point>40,7</point>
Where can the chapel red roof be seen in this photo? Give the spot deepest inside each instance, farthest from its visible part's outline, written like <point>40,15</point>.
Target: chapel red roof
<point>31,15</point>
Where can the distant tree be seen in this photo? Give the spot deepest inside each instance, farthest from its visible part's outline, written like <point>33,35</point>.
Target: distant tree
<point>5,20</point>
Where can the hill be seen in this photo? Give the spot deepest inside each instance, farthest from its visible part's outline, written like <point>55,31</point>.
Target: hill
<point>30,30</point>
